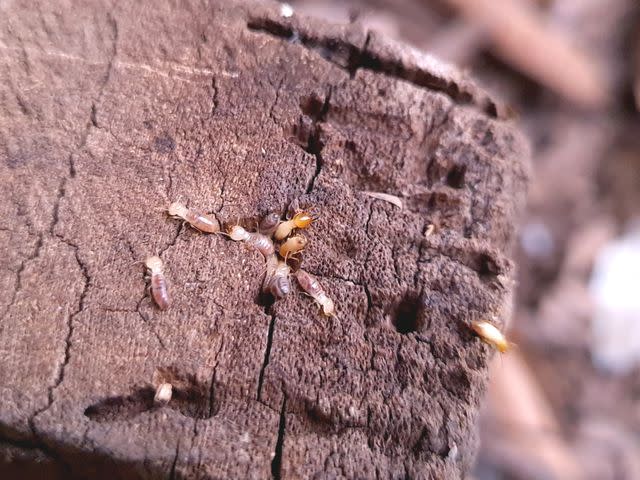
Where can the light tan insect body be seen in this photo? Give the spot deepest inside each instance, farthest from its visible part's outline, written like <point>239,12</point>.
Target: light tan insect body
<point>299,220</point>
<point>311,285</point>
<point>255,240</point>
<point>293,245</point>
<point>490,334</point>
<point>204,223</point>
<point>159,290</point>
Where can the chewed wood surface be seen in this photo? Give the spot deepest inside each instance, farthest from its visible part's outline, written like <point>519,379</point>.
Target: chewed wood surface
<point>111,111</point>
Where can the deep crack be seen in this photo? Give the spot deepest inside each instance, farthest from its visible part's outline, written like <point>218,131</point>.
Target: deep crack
<point>276,463</point>
<point>174,463</point>
<point>267,351</point>
<point>315,144</point>
<point>351,58</point>
<point>67,349</point>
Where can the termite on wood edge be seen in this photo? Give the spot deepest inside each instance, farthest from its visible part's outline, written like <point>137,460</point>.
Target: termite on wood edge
<point>311,285</point>
<point>490,334</point>
<point>159,290</point>
<point>199,221</point>
<point>300,220</point>
<point>254,240</point>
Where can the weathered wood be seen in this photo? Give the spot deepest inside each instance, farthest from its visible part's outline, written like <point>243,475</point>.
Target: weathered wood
<point>109,112</point>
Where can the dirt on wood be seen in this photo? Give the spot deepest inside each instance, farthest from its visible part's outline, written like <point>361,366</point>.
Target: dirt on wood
<point>110,112</point>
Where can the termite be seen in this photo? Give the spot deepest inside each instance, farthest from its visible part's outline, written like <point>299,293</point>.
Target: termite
<point>490,334</point>
<point>293,245</point>
<point>255,240</point>
<point>299,220</point>
<point>311,285</point>
<point>429,230</point>
<point>269,224</point>
<point>278,283</point>
<point>199,221</point>
<point>158,282</point>
<point>163,395</point>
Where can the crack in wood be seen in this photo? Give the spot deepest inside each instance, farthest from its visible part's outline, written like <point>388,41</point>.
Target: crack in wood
<point>351,58</point>
<point>276,463</point>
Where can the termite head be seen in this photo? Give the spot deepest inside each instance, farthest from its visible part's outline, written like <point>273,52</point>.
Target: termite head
<point>237,233</point>
<point>154,264</point>
<point>490,334</point>
<point>302,219</point>
<point>299,241</point>
<point>177,209</point>
<point>293,245</point>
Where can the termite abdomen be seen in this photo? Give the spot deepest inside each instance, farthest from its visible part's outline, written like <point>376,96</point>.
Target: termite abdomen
<point>159,290</point>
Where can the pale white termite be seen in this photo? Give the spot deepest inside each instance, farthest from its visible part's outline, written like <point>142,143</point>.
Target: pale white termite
<point>311,285</point>
<point>159,290</point>
<point>163,395</point>
<point>490,334</point>
<point>257,241</point>
<point>199,221</point>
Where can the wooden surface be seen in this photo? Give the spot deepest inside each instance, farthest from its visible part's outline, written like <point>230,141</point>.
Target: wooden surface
<point>110,112</point>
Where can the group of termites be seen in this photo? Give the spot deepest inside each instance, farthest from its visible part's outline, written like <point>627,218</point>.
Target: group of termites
<point>277,254</point>
<point>279,241</point>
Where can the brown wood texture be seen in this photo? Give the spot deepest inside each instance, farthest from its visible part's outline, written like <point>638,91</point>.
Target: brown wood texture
<point>110,111</point>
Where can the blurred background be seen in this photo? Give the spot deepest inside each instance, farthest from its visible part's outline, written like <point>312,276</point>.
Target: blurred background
<point>566,403</point>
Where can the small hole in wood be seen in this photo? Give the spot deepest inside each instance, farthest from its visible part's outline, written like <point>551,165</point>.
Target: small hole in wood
<point>455,177</point>
<point>406,317</point>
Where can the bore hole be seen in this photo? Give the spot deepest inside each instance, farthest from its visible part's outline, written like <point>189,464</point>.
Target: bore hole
<point>312,106</point>
<point>350,145</point>
<point>455,177</point>
<point>407,316</point>
<point>488,268</point>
